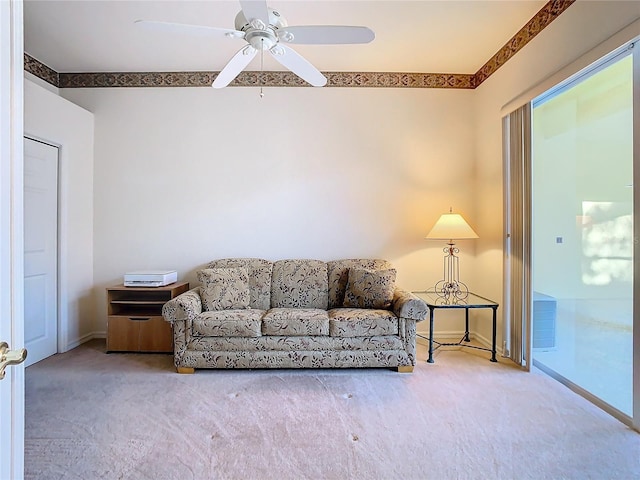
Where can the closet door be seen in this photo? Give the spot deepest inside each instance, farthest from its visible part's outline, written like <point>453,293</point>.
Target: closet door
<point>40,249</point>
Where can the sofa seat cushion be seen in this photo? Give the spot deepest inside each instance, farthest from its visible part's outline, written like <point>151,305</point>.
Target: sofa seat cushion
<point>295,322</point>
<point>361,322</point>
<point>228,323</point>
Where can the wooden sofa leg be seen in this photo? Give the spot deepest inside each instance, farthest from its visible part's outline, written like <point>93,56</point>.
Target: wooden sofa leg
<point>405,369</point>
<point>185,369</point>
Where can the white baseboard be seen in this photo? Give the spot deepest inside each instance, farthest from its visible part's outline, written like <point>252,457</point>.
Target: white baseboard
<point>85,339</point>
<point>451,335</point>
<point>485,342</point>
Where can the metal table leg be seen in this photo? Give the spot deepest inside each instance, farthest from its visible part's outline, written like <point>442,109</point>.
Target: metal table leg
<point>466,324</point>
<point>493,343</point>
<point>430,360</point>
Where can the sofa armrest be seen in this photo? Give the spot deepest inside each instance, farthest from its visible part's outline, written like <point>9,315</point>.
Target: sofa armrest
<point>407,305</point>
<point>185,306</point>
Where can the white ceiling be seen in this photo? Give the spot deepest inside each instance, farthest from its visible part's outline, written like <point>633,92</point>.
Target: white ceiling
<point>446,36</point>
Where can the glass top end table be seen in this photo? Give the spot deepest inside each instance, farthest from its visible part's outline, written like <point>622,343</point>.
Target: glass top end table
<point>472,300</point>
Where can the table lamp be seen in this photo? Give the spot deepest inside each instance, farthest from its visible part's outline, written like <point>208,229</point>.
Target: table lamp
<point>451,226</point>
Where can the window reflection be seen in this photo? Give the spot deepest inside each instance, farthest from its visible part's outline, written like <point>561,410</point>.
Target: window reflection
<point>607,243</point>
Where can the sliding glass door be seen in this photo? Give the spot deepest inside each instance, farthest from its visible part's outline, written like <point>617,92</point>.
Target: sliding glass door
<point>582,233</point>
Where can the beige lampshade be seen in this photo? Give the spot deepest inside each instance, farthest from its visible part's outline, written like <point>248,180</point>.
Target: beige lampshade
<point>451,226</point>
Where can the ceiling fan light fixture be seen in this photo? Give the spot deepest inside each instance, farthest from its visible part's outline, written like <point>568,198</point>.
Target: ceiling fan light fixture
<point>261,39</point>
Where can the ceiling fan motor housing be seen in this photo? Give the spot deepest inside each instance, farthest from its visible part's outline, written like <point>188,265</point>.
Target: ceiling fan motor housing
<point>260,37</point>
<point>276,21</point>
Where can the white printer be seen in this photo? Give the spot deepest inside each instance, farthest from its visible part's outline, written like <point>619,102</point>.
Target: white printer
<point>150,278</point>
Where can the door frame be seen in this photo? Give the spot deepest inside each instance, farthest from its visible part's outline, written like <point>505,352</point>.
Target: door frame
<point>630,48</point>
<point>11,234</point>
<point>636,237</point>
<point>633,45</point>
<point>61,324</point>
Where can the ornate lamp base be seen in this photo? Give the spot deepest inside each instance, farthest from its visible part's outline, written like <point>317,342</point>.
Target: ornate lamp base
<point>450,288</point>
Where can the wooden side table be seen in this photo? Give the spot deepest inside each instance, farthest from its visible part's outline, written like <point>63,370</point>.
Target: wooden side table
<point>434,302</point>
<point>134,318</point>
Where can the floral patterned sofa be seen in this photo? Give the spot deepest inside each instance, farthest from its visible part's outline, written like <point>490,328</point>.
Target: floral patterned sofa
<point>253,313</point>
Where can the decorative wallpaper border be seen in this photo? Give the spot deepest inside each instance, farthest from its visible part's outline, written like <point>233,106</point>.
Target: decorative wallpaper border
<point>267,79</point>
<point>547,14</point>
<point>40,70</point>
<point>539,22</point>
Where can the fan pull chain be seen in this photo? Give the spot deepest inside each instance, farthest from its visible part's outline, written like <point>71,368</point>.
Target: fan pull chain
<point>261,68</point>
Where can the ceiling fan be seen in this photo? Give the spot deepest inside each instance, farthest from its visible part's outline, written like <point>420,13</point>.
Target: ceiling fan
<point>264,29</point>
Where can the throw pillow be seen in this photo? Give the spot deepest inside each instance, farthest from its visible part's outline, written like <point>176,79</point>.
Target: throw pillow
<point>224,288</point>
<point>370,288</point>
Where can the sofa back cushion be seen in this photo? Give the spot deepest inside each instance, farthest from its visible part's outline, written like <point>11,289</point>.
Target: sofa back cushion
<point>338,276</point>
<point>224,288</point>
<point>299,284</point>
<point>259,272</point>
<point>370,288</point>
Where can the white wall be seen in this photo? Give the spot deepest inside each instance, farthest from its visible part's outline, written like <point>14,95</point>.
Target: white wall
<point>187,175</point>
<point>577,31</point>
<point>41,83</point>
<point>50,117</point>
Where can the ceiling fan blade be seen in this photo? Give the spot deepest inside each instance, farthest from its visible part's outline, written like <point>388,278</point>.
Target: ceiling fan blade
<point>198,30</point>
<point>235,66</point>
<point>326,34</point>
<point>298,65</point>
<point>255,10</point>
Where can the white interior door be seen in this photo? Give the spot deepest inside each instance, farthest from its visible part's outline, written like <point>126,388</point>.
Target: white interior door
<point>40,249</point>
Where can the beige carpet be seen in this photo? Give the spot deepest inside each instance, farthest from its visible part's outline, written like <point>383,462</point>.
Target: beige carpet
<point>90,415</point>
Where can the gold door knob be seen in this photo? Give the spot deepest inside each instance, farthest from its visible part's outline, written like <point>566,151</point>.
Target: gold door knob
<point>10,357</point>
